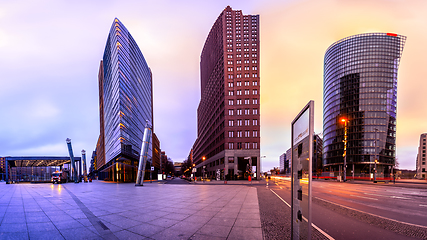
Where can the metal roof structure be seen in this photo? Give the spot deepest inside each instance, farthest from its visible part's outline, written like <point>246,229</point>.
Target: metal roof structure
<point>42,161</point>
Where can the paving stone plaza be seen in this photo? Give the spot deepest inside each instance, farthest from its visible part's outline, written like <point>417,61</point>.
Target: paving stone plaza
<point>103,210</point>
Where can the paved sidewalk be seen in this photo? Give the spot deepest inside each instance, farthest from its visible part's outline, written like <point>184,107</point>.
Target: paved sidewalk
<point>101,210</point>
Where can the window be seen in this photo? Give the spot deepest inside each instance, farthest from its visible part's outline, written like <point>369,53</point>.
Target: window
<point>239,61</point>
<point>239,84</point>
<point>230,69</point>
<point>238,75</point>
<point>230,76</point>
<point>255,145</point>
<point>230,123</point>
<point>239,145</point>
<point>255,134</point>
<point>230,56</point>
<point>254,75</point>
<point>231,134</point>
<point>230,112</point>
<point>254,61</point>
<point>239,92</point>
<point>255,122</point>
<point>239,122</point>
<point>254,68</point>
<point>230,145</point>
<point>254,101</point>
<point>246,75</point>
<point>255,111</point>
<point>247,145</point>
<point>247,111</point>
<point>239,101</point>
<point>246,122</point>
<point>230,84</point>
<point>230,93</point>
<point>246,101</point>
<point>230,62</point>
<point>254,83</point>
<point>247,133</point>
<point>246,91</point>
<point>246,83</point>
<point>239,69</point>
<point>239,111</point>
<point>239,133</point>
<point>230,159</point>
<point>255,92</point>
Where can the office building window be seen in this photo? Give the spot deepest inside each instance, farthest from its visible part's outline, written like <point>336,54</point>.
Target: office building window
<point>254,101</point>
<point>255,122</point>
<point>230,123</point>
<point>246,122</point>
<point>230,102</point>
<point>230,112</point>
<point>247,133</point>
<point>239,133</point>
<point>231,134</point>
<point>255,111</point>
<point>255,134</point>
<point>239,101</point>
<point>255,145</point>
<point>239,122</point>
<point>239,111</point>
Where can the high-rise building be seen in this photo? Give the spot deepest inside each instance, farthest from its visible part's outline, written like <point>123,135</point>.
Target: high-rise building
<point>228,116</point>
<point>126,104</point>
<point>282,161</point>
<point>421,158</point>
<point>359,103</point>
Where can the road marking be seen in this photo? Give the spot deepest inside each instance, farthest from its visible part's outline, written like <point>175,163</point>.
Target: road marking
<point>423,205</point>
<point>364,197</point>
<point>385,196</point>
<point>305,219</point>
<point>416,225</point>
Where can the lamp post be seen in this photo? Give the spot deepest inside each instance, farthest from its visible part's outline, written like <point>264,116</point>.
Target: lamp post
<point>376,159</point>
<point>345,121</point>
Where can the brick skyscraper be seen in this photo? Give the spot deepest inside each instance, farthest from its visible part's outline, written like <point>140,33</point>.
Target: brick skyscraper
<point>228,116</point>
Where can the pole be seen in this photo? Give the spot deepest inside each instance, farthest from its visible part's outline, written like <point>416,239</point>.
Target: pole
<point>73,164</point>
<point>345,150</point>
<point>375,167</point>
<point>144,154</point>
<point>7,171</point>
<point>84,165</point>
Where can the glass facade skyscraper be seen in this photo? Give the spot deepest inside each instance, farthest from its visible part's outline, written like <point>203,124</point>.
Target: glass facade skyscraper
<point>126,102</point>
<point>359,101</point>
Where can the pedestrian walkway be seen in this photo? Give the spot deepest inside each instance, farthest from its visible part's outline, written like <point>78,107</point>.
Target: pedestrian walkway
<point>103,210</point>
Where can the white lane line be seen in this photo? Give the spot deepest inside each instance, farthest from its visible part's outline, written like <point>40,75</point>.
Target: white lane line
<point>379,195</point>
<point>423,205</point>
<point>394,220</point>
<point>364,197</point>
<point>305,219</point>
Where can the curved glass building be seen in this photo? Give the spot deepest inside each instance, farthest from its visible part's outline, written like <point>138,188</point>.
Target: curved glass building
<point>125,104</point>
<point>359,103</point>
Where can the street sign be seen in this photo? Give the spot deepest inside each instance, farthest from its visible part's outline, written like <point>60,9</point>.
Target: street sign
<point>301,151</point>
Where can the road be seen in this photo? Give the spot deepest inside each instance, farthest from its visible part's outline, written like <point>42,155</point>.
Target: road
<point>357,211</point>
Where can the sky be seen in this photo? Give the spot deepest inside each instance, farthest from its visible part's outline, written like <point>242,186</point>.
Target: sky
<point>50,52</point>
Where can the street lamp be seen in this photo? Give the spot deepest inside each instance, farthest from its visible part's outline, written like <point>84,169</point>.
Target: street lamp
<point>376,159</point>
<point>345,121</point>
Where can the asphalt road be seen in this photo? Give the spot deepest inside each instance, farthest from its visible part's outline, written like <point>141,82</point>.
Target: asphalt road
<point>399,203</point>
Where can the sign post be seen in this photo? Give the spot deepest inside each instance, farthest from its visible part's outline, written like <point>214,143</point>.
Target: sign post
<point>301,156</point>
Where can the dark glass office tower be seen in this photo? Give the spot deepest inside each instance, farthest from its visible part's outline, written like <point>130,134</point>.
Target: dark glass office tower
<point>126,96</point>
<point>359,100</point>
